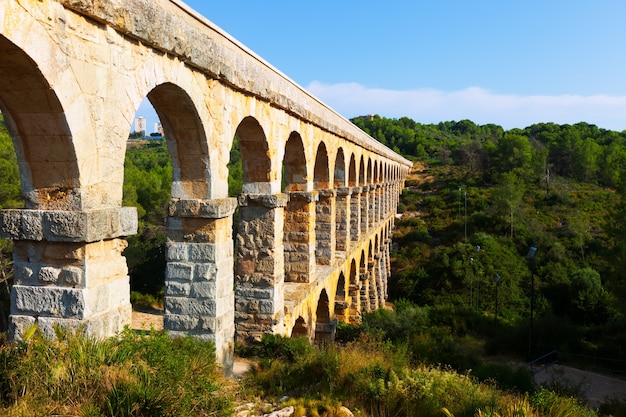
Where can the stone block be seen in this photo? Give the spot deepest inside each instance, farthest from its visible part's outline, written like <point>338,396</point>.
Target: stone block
<point>205,290</point>
<point>181,323</point>
<point>24,273</point>
<point>48,301</point>
<point>205,271</point>
<point>202,252</point>
<point>21,224</point>
<point>68,226</point>
<point>249,292</point>
<point>177,288</point>
<point>48,275</point>
<point>190,306</point>
<point>177,252</point>
<point>72,275</point>
<point>179,270</point>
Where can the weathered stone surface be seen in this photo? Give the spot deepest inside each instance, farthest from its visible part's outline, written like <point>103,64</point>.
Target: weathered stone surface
<point>68,226</point>
<point>71,87</point>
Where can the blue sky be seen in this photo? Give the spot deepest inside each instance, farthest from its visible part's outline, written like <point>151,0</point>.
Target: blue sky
<point>509,63</point>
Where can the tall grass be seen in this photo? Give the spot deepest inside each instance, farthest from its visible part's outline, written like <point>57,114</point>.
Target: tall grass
<point>133,375</point>
<point>379,380</point>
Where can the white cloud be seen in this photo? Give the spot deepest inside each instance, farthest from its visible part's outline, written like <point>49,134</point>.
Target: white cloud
<point>473,103</point>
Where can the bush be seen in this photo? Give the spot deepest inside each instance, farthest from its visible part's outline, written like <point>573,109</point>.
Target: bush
<point>134,375</point>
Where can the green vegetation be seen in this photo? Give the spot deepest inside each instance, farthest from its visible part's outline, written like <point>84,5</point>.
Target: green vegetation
<point>147,185</point>
<point>133,375</point>
<point>478,198</point>
<point>380,379</point>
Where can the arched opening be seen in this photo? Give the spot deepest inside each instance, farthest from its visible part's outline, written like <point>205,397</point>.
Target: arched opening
<point>363,283</point>
<point>174,175</point>
<point>256,163</point>
<point>41,136</point>
<point>324,327</point>
<point>379,260</point>
<point>50,176</point>
<point>324,209</point>
<point>341,307</point>
<point>147,186</point>
<point>352,172</point>
<point>299,229</point>
<point>321,171</point>
<point>355,210</point>
<point>342,204</point>
<point>294,165</point>
<point>300,328</point>
<point>186,141</point>
<point>364,197</point>
<point>353,293</point>
<point>258,271</point>
<point>372,289</point>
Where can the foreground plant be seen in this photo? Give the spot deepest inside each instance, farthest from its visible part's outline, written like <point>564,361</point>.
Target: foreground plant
<point>133,375</point>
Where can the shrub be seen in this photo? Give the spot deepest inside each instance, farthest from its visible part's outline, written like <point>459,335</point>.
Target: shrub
<point>135,374</point>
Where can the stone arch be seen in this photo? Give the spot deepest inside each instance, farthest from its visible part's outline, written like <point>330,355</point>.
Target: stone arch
<point>339,179</point>
<point>364,197</point>
<point>363,288</point>
<point>324,328</point>
<point>187,143</point>
<point>361,172</point>
<point>355,204</point>
<point>353,293</point>
<point>255,157</point>
<point>300,328</point>
<point>352,172</point>
<point>41,135</point>
<point>321,177</point>
<point>294,165</point>
<point>376,172</point>
<point>342,203</point>
<point>259,270</point>
<point>341,306</point>
<point>324,209</point>
<point>299,214</point>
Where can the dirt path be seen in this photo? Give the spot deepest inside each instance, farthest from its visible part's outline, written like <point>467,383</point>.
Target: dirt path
<point>595,388</point>
<point>147,320</point>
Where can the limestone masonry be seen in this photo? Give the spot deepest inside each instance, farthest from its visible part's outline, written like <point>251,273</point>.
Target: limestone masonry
<point>319,197</point>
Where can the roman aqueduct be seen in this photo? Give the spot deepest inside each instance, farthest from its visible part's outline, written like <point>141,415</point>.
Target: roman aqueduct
<point>319,195</point>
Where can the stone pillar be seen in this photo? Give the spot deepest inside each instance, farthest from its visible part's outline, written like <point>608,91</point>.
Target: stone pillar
<point>379,203</point>
<point>371,211</point>
<point>299,236</point>
<point>325,229</point>
<point>342,222</point>
<point>373,284</point>
<point>387,200</point>
<point>365,204</point>
<point>69,269</point>
<point>355,214</point>
<point>365,289</point>
<point>387,269</point>
<point>260,270</point>
<point>379,259</point>
<point>199,297</point>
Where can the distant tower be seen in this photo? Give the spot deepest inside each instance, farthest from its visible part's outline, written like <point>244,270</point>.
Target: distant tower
<point>158,128</point>
<point>140,125</point>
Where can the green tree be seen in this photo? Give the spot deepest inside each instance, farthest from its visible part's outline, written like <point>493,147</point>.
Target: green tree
<point>586,156</point>
<point>513,153</point>
<point>507,196</point>
<point>589,300</point>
